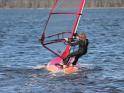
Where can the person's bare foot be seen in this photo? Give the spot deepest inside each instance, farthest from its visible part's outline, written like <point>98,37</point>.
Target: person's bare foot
<point>65,66</point>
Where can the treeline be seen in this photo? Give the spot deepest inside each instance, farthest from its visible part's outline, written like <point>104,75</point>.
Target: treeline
<point>48,3</point>
<point>25,3</point>
<point>105,3</point>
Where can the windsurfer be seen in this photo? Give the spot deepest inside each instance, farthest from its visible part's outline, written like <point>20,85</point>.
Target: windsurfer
<point>82,42</point>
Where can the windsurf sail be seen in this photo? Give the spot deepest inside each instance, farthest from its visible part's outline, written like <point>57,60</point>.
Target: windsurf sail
<point>62,23</point>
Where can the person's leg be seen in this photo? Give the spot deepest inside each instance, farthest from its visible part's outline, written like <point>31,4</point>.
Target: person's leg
<point>65,61</point>
<point>75,61</point>
<point>76,58</point>
<point>75,54</point>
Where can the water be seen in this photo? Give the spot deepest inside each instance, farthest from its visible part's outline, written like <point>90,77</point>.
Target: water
<point>102,68</point>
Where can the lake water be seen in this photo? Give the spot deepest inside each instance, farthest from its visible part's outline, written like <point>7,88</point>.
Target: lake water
<point>102,69</point>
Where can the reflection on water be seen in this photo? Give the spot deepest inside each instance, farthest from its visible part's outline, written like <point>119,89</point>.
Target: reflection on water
<point>20,51</point>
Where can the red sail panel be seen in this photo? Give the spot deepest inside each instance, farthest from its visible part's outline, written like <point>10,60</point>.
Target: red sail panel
<point>62,23</point>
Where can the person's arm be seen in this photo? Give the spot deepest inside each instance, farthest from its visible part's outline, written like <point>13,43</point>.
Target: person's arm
<point>71,42</point>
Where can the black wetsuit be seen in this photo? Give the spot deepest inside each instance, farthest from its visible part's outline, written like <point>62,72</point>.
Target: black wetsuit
<point>83,46</point>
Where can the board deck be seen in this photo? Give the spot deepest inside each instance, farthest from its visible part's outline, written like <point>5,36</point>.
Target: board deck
<point>67,70</point>
<point>52,67</point>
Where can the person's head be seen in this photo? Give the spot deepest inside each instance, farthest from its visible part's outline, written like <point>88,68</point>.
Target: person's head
<point>82,36</point>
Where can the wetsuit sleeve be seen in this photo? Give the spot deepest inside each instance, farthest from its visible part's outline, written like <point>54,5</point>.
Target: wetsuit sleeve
<point>86,46</point>
<point>87,42</point>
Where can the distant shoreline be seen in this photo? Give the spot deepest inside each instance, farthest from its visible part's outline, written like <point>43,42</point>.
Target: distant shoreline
<point>49,3</point>
<point>104,7</point>
<point>84,8</point>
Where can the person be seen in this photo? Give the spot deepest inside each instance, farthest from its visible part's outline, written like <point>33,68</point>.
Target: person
<point>82,43</point>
